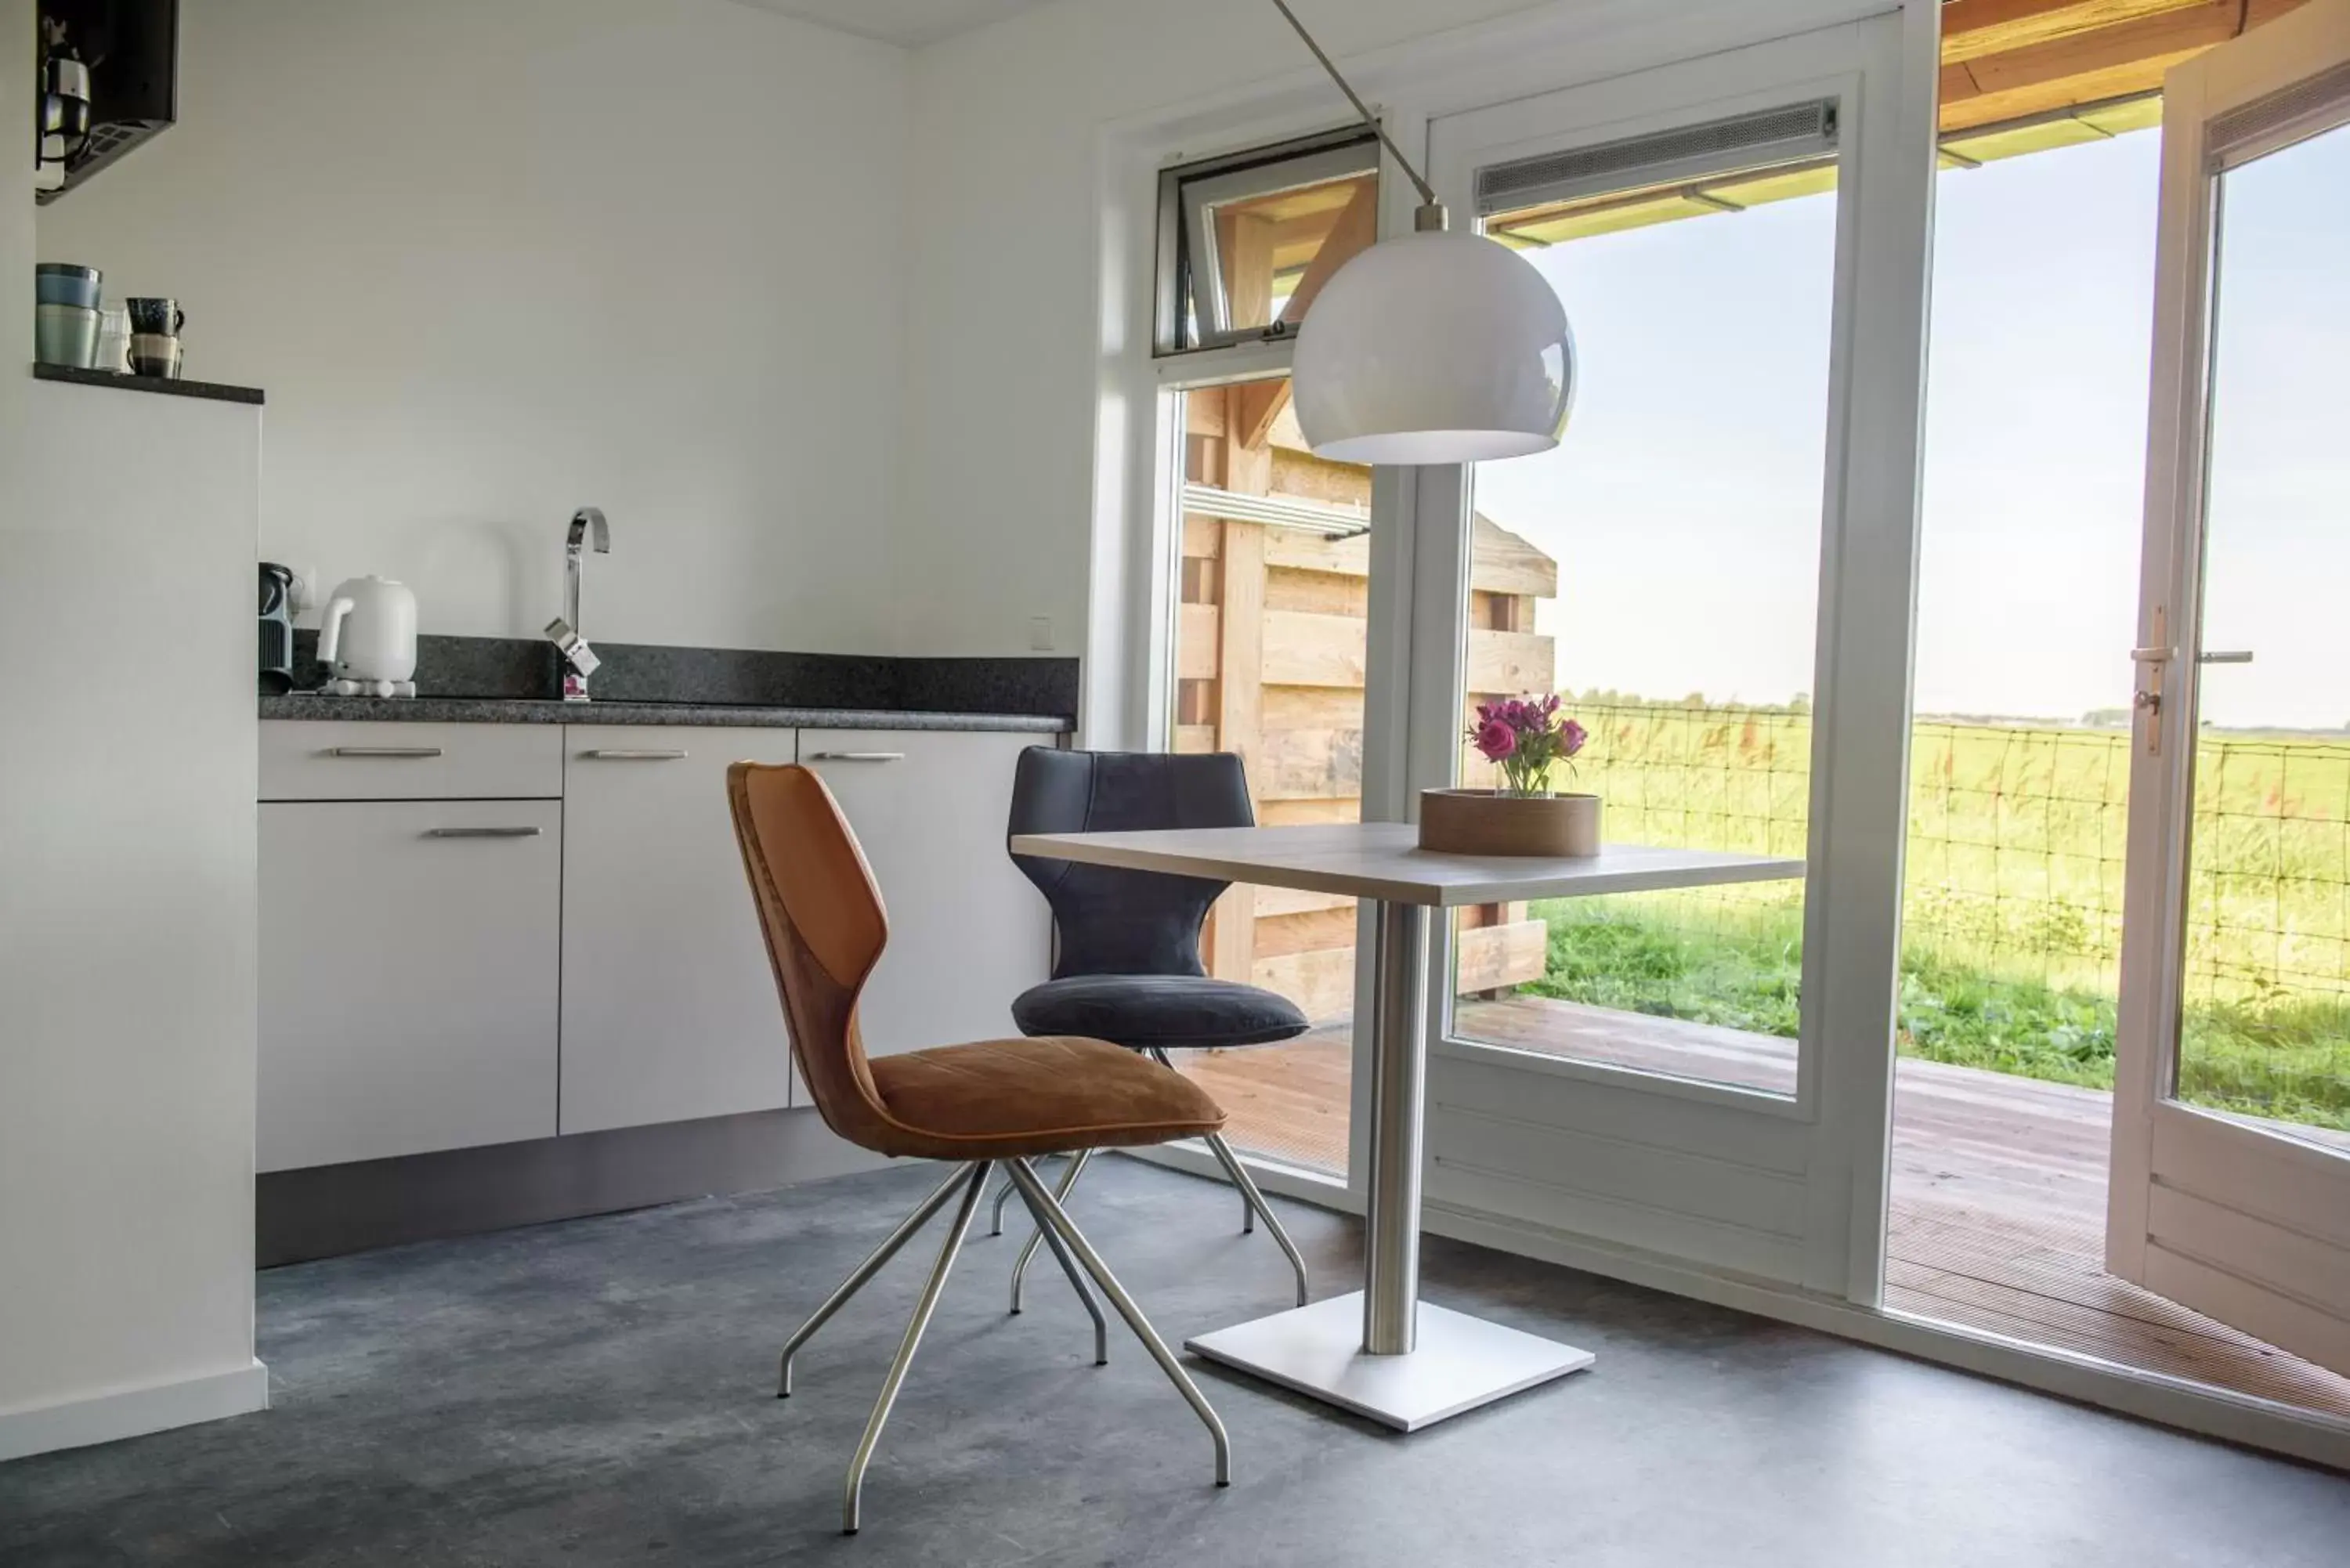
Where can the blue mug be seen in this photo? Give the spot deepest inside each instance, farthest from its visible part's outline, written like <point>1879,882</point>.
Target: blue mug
<point>64,283</point>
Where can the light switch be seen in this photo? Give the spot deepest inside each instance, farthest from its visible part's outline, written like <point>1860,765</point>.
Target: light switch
<point>1040,633</point>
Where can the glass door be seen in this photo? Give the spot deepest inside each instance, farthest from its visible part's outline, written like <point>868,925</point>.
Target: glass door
<point>2231,1115</point>
<point>1701,576</point>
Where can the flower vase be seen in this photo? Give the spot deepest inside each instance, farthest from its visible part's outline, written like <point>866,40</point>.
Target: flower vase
<point>1502,821</point>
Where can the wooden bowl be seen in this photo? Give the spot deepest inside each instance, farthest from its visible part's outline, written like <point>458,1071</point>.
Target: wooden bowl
<point>1482,822</point>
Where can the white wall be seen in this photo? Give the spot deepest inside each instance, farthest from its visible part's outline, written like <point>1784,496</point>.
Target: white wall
<point>126,917</point>
<point>815,328</point>
<point>994,522</point>
<point>126,885</point>
<point>495,259</point>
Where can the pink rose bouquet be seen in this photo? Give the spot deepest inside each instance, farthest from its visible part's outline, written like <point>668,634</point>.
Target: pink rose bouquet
<point>1527,738</point>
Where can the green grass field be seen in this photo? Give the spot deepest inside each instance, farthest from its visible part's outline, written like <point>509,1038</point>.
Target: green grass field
<point>2012,914</point>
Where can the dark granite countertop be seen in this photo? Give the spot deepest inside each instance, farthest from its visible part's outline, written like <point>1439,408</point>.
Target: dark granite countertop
<point>512,680</point>
<point>542,710</point>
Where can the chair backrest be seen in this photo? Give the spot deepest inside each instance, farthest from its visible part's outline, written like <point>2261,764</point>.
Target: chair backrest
<point>1113,921</point>
<point>825,926</point>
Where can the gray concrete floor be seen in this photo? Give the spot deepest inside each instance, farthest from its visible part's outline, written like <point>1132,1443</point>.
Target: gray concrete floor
<point>601,1392</point>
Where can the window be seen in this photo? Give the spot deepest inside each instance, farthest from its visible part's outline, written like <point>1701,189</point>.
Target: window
<point>1245,242</point>
<point>1660,571</point>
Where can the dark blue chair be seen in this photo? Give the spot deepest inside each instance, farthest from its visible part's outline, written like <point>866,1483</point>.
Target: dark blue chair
<point>1126,966</point>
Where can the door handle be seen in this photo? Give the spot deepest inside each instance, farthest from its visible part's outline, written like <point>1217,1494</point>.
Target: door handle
<point>2228,656</point>
<point>409,752</point>
<point>483,832</point>
<point>2155,661</point>
<point>623,754</point>
<point>857,757</point>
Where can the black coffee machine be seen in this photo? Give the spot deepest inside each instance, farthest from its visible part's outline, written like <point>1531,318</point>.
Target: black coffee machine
<point>276,629</point>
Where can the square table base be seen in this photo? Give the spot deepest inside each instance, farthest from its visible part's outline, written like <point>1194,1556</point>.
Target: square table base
<point>1460,1363</point>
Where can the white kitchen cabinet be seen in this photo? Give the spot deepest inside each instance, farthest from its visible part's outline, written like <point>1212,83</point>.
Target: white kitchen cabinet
<point>445,973</point>
<point>670,1010</point>
<point>366,759</point>
<point>967,931</point>
<point>409,953</point>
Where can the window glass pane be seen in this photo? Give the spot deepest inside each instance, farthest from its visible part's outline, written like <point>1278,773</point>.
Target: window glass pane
<point>1269,649</point>
<point>1254,240</point>
<point>1658,571</point>
<point>2265,1030</point>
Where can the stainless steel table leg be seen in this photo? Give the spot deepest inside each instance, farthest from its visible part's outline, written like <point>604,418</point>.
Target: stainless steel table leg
<point>1399,1082</point>
<point>1384,1353</point>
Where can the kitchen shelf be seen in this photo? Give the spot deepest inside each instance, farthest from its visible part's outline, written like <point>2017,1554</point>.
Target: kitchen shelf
<point>218,392</point>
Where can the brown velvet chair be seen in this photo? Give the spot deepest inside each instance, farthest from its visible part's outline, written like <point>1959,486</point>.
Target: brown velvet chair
<point>977,1105</point>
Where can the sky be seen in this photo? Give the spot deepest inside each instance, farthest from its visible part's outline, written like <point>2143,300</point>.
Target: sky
<point>1684,504</point>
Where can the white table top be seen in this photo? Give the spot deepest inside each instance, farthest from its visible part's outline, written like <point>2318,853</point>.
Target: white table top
<point>1383,860</point>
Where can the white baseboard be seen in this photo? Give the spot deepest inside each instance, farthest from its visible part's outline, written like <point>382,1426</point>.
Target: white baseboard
<point>131,1412</point>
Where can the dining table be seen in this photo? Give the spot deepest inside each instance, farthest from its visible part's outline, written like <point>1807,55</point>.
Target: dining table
<point>1381,1352</point>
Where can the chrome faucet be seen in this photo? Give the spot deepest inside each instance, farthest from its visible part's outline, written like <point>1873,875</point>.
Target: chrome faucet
<point>589,530</point>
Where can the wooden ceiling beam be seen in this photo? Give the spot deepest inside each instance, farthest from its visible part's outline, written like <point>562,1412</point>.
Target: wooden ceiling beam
<point>1971,28</point>
<point>2082,68</point>
<point>1984,109</point>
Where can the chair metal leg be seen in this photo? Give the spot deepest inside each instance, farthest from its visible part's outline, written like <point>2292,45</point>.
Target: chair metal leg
<point>1077,1283</point>
<point>1041,1202</point>
<point>865,1271</point>
<point>852,1495</point>
<point>995,1226</point>
<point>1060,1195</point>
<point>1252,1201</point>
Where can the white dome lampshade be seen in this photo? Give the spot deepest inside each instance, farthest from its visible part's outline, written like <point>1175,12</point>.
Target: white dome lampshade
<point>1433,348</point>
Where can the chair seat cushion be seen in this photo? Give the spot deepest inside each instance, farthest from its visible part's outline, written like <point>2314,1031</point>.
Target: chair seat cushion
<point>1168,1010</point>
<point>999,1099</point>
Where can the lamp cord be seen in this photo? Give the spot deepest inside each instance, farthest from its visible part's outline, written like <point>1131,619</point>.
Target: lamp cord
<point>1427,191</point>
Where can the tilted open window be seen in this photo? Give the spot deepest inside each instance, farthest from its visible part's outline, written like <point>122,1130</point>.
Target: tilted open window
<point>1245,241</point>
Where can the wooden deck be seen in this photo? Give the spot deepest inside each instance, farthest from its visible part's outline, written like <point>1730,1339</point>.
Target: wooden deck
<point>1998,1199</point>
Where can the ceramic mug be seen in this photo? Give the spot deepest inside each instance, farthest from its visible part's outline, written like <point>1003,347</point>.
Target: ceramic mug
<point>155,354</point>
<point>64,282</point>
<point>156,317</point>
<point>66,335</point>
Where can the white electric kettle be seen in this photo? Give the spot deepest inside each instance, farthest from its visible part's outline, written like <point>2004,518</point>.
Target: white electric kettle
<point>368,639</point>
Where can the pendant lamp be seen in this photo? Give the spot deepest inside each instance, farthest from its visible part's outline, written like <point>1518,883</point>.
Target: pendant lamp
<point>1430,348</point>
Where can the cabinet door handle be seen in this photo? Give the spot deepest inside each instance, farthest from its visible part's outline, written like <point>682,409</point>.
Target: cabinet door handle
<point>483,832</point>
<point>611,754</point>
<point>857,757</point>
<point>385,752</point>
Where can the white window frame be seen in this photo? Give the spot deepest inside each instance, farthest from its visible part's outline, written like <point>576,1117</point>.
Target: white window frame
<point>1796,1192</point>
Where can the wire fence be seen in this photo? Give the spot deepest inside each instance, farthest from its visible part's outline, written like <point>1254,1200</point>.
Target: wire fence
<point>2016,844</point>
